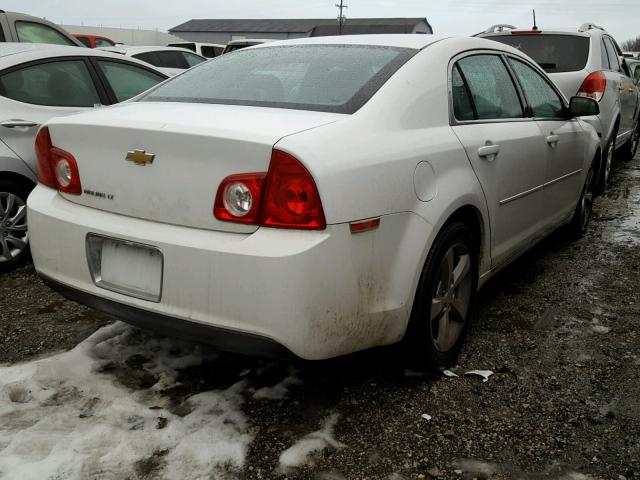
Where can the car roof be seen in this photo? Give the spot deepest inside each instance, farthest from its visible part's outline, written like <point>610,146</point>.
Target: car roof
<point>132,50</point>
<point>387,40</point>
<point>17,53</point>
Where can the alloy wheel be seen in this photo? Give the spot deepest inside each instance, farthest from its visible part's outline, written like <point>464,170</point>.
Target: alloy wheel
<point>587,200</point>
<point>452,297</point>
<point>14,236</point>
<point>607,167</point>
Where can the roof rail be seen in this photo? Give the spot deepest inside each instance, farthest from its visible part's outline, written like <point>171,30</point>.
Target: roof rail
<point>585,27</point>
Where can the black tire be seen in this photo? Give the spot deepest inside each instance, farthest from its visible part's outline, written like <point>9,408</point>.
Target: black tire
<point>607,163</point>
<point>11,257</point>
<point>582,215</point>
<point>425,349</point>
<point>629,149</point>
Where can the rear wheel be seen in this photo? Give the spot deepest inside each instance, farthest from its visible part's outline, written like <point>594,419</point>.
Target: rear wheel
<point>445,299</point>
<point>14,235</point>
<point>607,163</point>
<point>582,215</point>
<point>629,149</point>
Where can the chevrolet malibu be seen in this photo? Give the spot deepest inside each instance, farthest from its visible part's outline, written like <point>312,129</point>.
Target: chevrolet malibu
<point>317,196</point>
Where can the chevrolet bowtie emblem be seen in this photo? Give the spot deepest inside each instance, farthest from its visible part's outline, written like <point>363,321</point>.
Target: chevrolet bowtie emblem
<point>140,157</point>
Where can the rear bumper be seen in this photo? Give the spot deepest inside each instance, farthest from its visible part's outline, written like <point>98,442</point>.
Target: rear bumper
<point>317,294</point>
<point>228,340</point>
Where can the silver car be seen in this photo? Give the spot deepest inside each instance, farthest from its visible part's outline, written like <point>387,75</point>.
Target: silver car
<point>19,27</point>
<point>586,62</point>
<point>37,83</point>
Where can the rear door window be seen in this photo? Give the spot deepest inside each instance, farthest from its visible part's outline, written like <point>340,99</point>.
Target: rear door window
<point>31,32</point>
<point>172,59</point>
<point>192,59</point>
<point>614,61</point>
<point>492,90</point>
<point>542,98</point>
<point>127,80</point>
<point>54,84</point>
<point>554,53</point>
<point>463,107</point>
<point>85,41</point>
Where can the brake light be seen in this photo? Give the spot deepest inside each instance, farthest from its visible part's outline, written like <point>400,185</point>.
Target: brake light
<point>43,153</point>
<point>594,86</point>
<point>285,197</point>
<point>57,168</point>
<point>526,32</point>
<point>291,199</point>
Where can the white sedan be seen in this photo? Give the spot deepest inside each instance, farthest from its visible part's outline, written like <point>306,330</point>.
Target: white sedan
<point>319,196</point>
<point>169,60</point>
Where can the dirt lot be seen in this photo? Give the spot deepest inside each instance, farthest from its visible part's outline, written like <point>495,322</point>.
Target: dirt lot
<point>559,330</point>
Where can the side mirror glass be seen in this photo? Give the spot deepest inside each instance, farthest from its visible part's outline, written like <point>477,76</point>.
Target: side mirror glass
<point>583,107</point>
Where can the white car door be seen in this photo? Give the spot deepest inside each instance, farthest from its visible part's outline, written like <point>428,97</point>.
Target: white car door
<point>33,93</point>
<point>506,150</point>
<point>563,138</point>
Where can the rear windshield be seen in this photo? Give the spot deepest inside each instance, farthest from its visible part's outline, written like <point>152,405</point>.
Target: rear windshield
<point>324,78</point>
<point>554,53</point>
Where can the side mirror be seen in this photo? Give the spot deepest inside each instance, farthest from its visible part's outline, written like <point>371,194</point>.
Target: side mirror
<point>583,107</point>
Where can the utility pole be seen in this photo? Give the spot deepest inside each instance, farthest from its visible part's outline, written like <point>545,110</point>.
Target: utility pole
<point>342,6</point>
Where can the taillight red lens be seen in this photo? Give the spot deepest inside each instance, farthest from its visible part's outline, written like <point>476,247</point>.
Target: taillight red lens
<point>56,167</point>
<point>594,86</point>
<point>43,154</point>
<point>291,199</point>
<point>239,198</point>
<point>285,197</point>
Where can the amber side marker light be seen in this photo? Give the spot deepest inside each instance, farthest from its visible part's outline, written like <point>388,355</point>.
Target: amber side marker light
<point>366,226</point>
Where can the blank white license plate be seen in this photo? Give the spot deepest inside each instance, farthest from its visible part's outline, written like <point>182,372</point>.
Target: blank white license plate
<point>128,268</point>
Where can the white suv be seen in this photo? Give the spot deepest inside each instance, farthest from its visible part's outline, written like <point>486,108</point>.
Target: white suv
<point>586,62</point>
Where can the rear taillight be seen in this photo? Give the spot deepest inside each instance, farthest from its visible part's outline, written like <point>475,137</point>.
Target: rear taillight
<point>291,198</point>
<point>239,198</point>
<point>285,197</point>
<point>56,167</point>
<point>594,86</point>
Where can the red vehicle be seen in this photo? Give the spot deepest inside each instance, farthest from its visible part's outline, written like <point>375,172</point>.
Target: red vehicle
<point>94,41</point>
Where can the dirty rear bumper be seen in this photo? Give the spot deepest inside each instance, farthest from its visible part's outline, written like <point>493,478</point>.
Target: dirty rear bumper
<point>224,339</point>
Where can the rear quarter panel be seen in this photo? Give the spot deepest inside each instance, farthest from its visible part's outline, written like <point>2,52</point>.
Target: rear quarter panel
<point>364,166</point>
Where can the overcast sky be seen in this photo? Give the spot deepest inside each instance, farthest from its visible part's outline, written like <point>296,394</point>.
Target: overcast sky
<point>448,17</point>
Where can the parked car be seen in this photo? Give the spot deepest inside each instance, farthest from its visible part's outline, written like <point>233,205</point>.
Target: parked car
<point>208,50</point>
<point>169,60</point>
<point>18,27</point>
<point>94,41</point>
<point>234,45</point>
<point>341,201</point>
<point>634,68</point>
<point>587,62</point>
<point>37,83</point>
<point>631,54</point>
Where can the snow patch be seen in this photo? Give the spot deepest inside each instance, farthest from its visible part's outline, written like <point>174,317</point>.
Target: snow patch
<point>485,374</point>
<point>280,390</point>
<point>99,411</point>
<point>298,454</point>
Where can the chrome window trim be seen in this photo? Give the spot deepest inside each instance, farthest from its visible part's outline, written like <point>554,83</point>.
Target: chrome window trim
<point>453,121</point>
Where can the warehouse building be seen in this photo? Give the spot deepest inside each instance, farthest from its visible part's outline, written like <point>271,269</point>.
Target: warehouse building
<point>222,31</point>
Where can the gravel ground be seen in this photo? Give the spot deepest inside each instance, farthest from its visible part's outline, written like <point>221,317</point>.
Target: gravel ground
<point>559,329</point>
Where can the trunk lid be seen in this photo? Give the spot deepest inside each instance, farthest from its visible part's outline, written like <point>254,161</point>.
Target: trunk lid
<point>196,146</point>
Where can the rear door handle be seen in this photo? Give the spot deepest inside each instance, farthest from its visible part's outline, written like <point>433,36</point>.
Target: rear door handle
<point>489,152</point>
<point>553,140</point>
<point>18,124</point>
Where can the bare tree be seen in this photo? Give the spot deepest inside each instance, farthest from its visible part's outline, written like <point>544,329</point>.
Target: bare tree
<point>632,45</point>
